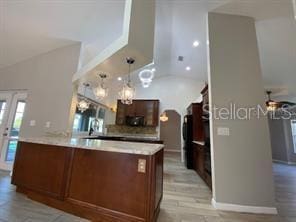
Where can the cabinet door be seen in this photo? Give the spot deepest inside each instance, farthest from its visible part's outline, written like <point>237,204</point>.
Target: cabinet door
<point>152,112</point>
<point>201,160</point>
<point>140,108</point>
<point>120,114</point>
<point>42,168</point>
<point>198,130</point>
<point>195,157</point>
<point>130,110</point>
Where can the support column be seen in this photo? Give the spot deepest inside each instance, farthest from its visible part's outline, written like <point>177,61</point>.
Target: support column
<point>241,150</point>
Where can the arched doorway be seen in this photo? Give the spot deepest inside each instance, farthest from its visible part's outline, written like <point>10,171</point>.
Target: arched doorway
<point>170,131</point>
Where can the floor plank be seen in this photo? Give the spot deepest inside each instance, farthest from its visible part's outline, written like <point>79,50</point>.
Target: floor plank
<point>186,199</point>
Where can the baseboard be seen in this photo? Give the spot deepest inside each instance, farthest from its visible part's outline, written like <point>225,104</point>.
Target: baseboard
<point>5,167</point>
<point>284,162</point>
<point>243,209</point>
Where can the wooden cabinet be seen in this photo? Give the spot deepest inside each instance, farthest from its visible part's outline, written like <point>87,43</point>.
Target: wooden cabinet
<point>149,109</point>
<point>152,112</point>
<point>43,170</point>
<point>205,96</point>
<point>199,159</point>
<point>93,184</point>
<point>120,114</point>
<point>201,138</point>
<point>196,110</point>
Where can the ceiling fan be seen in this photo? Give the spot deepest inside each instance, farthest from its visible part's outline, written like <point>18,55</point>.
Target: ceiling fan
<point>273,105</point>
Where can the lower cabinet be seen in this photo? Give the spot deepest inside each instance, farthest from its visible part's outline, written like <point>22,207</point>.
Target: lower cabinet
<point>101,186</point>
<point>199,159</point>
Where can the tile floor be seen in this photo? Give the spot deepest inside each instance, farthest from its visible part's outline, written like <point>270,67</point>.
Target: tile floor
<point>186,199</point>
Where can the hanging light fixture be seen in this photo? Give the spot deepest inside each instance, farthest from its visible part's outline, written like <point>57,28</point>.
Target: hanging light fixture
<point>146,77</point>
<point>101,91</point>
<point>270,104</point>
<point>127,94</point>
<point>163,117</point>
<point>83,104</point>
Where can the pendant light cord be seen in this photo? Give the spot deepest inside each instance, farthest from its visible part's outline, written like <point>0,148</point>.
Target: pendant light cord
<point>129,73</point>
<point>84,90</point>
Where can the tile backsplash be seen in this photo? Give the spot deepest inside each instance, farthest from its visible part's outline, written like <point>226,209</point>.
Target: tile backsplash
<point>131,129</point>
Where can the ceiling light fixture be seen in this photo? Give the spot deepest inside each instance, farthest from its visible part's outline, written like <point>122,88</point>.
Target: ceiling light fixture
<point>196,43</point>
<point>270,104</point>
<point>146,77</point>
<point>101,91</point>
<point>127,93</point>
<point>83,104</point>
<point>188,68</point>
<point>163,117</point>
<point>119,78</point>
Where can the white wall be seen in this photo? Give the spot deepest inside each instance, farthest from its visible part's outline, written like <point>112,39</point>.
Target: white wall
<point>242,162</point>
<point>174,93</point>
<point>48,81</point>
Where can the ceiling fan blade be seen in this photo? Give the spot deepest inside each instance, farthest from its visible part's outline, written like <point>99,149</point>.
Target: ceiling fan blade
<point>287,104</point>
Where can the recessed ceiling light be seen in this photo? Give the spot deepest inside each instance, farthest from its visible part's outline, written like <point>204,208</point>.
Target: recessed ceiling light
<point>119,78</point>
<point>195,43</point>
<point>153,69</point>
<point>188,68</point>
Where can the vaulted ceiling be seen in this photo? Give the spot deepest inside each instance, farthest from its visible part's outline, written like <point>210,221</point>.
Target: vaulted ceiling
<point>29,28</point>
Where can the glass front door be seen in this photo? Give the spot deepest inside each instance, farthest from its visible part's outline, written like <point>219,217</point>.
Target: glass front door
<point>11,115</point>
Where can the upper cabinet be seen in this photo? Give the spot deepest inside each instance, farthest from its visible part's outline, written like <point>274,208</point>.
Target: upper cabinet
<point>149,109</point>
<point>205,96</point>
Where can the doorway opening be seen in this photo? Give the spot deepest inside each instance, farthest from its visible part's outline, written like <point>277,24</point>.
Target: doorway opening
<point>170,131</point>
<point>12,109</point>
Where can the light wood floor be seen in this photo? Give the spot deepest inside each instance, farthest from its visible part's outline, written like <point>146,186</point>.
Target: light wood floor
<point>285,191</point>
<point>186,199</point>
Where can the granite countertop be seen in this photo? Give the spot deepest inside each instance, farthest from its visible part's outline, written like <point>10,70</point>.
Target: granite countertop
<point>127,135</point>
<point>199,143</point>
<point>110,146</point>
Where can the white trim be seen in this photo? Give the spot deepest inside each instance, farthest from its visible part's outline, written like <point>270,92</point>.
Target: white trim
<point>284,162</point>
<point>6,166</point>
<point>243,208</point>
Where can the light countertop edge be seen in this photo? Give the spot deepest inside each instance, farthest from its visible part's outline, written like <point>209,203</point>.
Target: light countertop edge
<point>199,143</point>
<point>100,145</point>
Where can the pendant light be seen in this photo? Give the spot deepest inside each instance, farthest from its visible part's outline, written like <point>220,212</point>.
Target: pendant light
<point>83,104</point>
<point>271,105</point>
<point>163,117</point>
<point>101,91</point>
<point>146,77</point>
<point>127,94</point>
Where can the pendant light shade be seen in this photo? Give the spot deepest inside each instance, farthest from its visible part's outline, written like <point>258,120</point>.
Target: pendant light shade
<point>146,77</point>
<point>128,92</point>
<point>83,104</point>
<point>101,91</point>
<point>163,117</point>
<point>270,104</point>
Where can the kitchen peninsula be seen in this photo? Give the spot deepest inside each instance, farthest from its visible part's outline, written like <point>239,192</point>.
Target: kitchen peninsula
<point>95,179</point>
